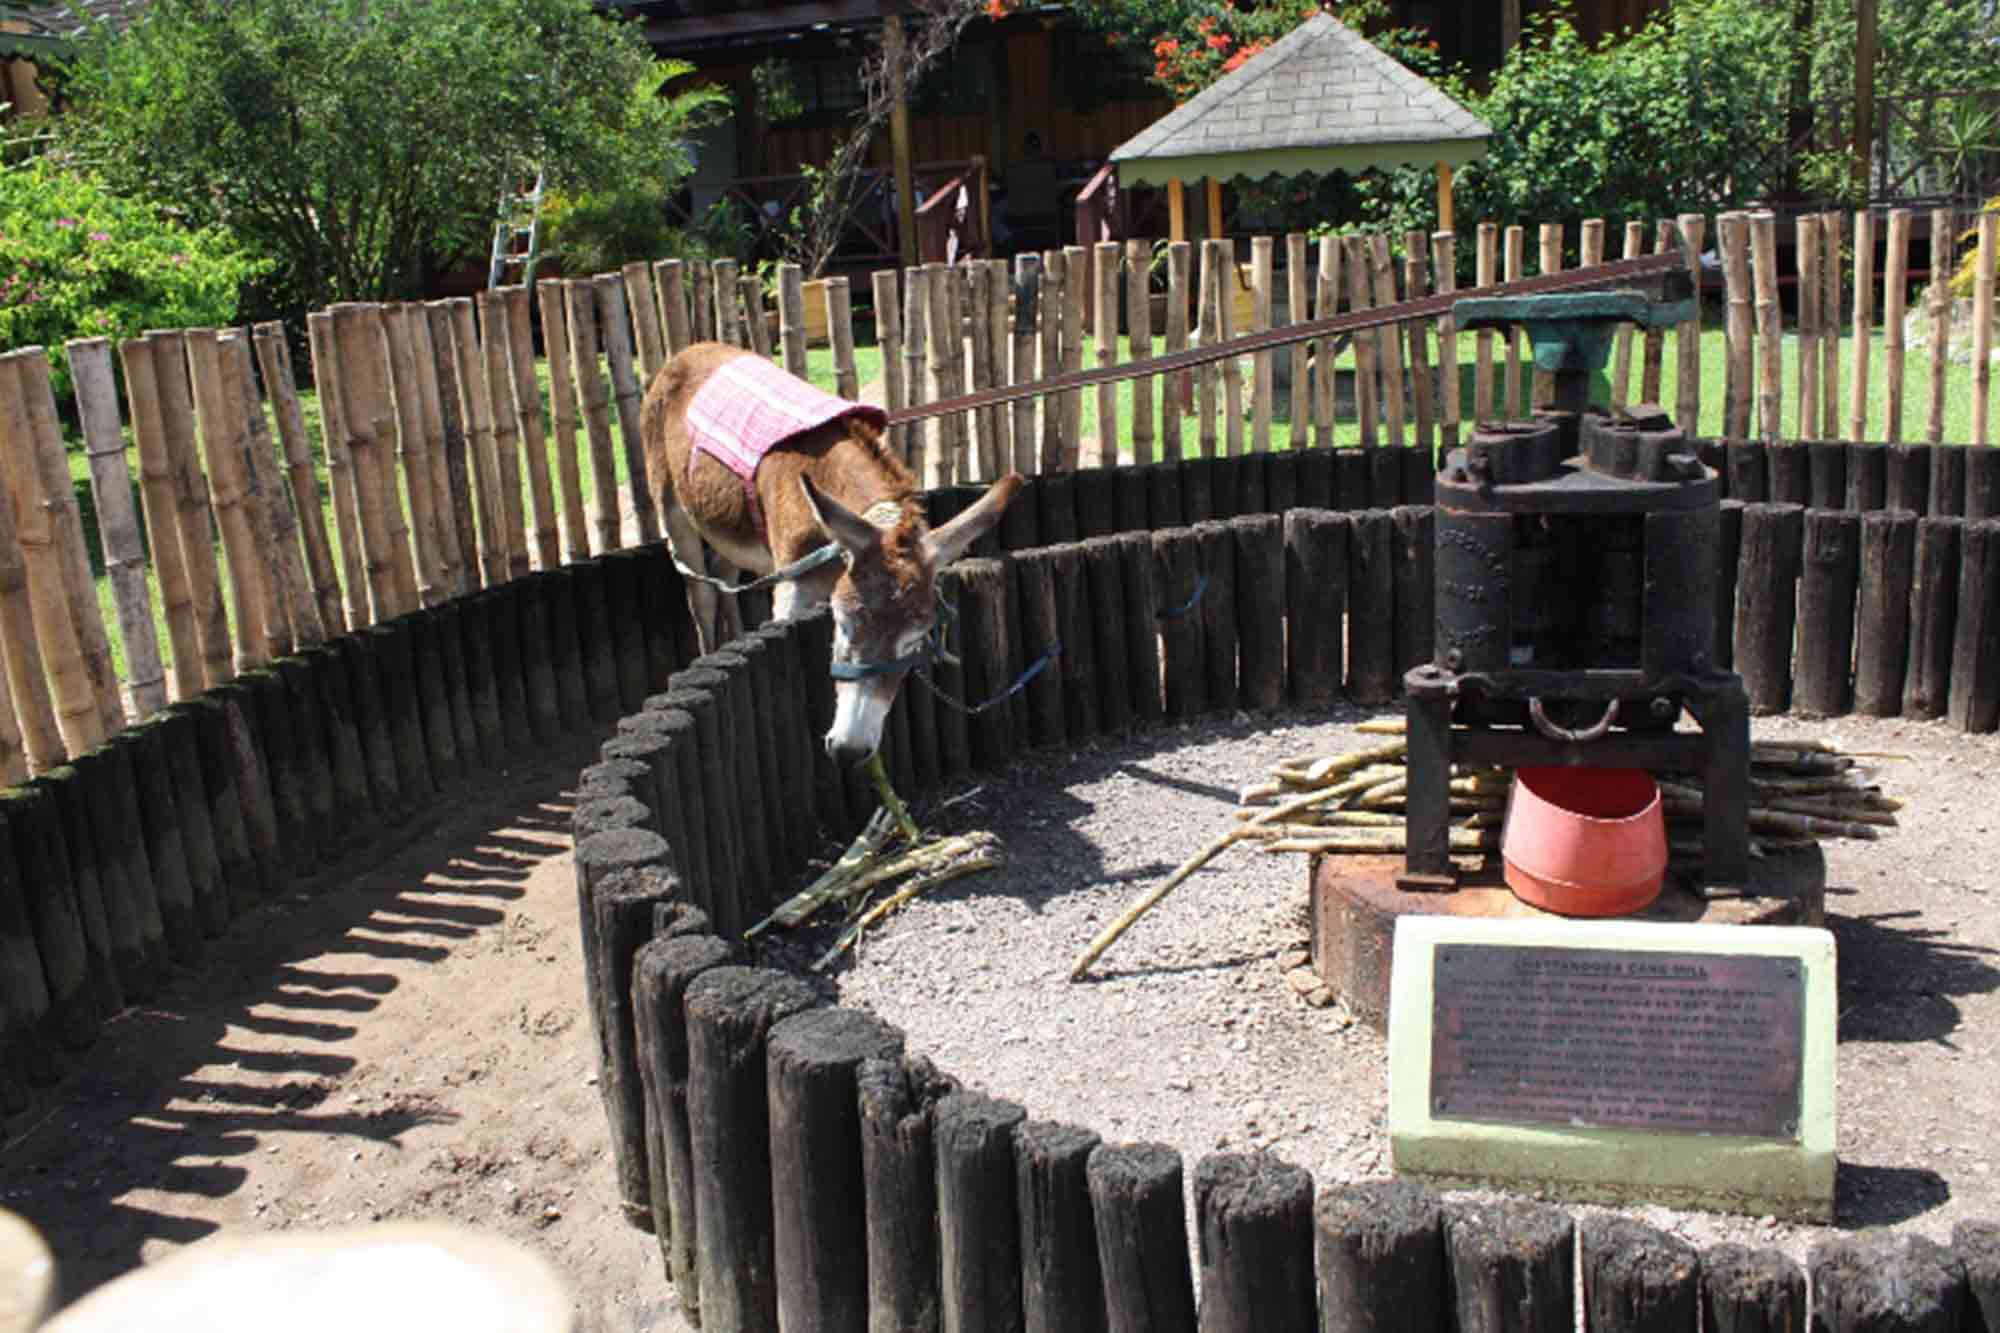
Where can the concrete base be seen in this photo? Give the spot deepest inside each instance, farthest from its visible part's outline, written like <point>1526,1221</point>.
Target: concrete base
<point>1356,904</point>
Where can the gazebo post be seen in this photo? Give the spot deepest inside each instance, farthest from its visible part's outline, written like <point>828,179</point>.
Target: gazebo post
<point>1444,197</point>
<point>1215,208</point>
<point>1177,209</point>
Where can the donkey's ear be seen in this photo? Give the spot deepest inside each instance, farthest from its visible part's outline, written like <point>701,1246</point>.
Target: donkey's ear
<point>949,542</point>
<point>854,533</point>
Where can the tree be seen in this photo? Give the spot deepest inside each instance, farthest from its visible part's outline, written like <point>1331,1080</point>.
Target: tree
<point>1922,47</point>
<point>1685,113</point>
<point>360,142</point>
<point>1192,43</point>
<point>835,189</point>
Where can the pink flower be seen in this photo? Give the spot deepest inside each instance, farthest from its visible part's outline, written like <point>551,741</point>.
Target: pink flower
<point>100,236</point>
<point>180,259</point>
<point>65,222</point>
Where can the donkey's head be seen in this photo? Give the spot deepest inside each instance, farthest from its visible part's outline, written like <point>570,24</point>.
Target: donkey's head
<point>885,605</point>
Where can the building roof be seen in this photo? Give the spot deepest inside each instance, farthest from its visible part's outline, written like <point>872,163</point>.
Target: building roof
<point>45,28</point>
<point>1321,98</point>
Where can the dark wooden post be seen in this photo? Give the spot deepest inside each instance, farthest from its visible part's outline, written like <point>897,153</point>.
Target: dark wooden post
<point>1315,605</point>
<point>1882,628</point>
<point>1253,1215</point>
<point>1381,1258</point>
<point>978,1213</point>
<point>1974,700</point>
<point>1908,485</point>
<point>730,1013</point>
<point>1751,1291</point>
<point>1260,608</point>
<point>617,920</point>
<point>1177,580</point>
<point>1637,1279</point>
<point>1977,1245</point>
<point>1077,664</point>
<point>1728,556</point>
<point>1826,473</point>
<point>1903,1282</point>
<point>1832,569</point>
<point>983,621</point>
<point>1512,1267</point>
<point>1139,1212</point>
<point>1353,488</point>
<point>1371,609</point>
<point>1041,630</point>
<point>899,1186</point>
<point>1749,478</point>
<point>1867,476</point>
<point>1141,602</point>
<point>43,867</point>
<point>1948,481</point>
<point>818,1219</point>
<point>661,974</point>
<point>1114,651</point>
<point>1767,602</point>
<point>1416,593</point>
<point>1218,612</point>
<point>1933,616</point>
<point>1060,1284</point>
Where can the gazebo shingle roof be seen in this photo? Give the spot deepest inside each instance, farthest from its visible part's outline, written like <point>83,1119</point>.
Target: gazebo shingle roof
<point>1321,98</point>
<point>45,28</point>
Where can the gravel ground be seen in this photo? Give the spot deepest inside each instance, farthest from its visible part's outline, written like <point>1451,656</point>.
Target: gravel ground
<point>1188,1032</point>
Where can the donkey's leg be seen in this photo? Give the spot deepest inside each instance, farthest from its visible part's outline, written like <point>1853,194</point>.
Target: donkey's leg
<point>729,610</point>
<point>685,542</point>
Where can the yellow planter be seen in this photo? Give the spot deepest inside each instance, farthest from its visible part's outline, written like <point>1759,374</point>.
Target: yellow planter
<point>815,302</point>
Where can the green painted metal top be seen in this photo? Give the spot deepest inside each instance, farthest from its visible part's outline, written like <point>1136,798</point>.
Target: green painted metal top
<point>1569,330</point>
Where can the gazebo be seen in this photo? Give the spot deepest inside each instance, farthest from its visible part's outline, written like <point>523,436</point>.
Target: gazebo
<point>1322,98</point>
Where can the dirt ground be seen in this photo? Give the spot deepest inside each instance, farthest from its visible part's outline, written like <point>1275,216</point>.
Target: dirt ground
<point>408,1041</point>
<point>404,1042</point>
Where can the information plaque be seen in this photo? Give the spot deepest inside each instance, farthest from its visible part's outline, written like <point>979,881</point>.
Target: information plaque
<point>1617,1038</point>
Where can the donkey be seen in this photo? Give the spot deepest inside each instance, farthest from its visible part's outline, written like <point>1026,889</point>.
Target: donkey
<point>766,502</point>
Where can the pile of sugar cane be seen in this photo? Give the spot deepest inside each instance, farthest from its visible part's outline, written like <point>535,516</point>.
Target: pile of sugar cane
<point>868,867</point>
<point>1800,792</point>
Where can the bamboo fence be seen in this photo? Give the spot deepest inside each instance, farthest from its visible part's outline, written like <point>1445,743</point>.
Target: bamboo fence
<point>460,444</point>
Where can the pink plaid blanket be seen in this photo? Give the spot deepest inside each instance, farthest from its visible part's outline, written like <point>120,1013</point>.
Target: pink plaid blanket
<point>750,407</point>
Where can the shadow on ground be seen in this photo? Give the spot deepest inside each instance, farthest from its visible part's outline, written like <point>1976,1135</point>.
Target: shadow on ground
<point>1902,981</point>
<point>177,1094</point>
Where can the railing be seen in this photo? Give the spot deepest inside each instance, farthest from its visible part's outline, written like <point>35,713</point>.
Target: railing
<point>1099,206</point>
<point>1937,148</point>
<point>952,223</point>
<point>870,234</point>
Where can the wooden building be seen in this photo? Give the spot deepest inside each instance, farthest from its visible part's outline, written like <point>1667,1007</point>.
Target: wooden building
<point>1031,103</point>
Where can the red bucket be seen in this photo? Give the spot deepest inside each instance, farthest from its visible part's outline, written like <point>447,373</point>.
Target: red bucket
<point>1585,841</point>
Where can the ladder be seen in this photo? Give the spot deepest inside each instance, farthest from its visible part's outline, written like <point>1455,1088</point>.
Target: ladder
<point>517,233</point>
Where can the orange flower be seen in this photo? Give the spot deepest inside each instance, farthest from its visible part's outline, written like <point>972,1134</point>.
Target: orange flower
<point>1166,46</point>
<point>1235,62</point>
<point>1218,42</point>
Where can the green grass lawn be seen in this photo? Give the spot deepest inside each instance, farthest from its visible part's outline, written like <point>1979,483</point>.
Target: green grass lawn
<point>868,366</point>
<point>1347,431</point>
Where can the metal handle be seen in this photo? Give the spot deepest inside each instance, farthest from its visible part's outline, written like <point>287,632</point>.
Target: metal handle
<point>1594,731</point>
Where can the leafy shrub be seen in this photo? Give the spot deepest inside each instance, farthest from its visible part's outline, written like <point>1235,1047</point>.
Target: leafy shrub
<point>79,261</point>
<point>1683,114</point>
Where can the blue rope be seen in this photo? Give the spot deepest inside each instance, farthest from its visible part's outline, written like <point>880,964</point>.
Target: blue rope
<point>1020,683</point>
<point>805,564</point>
<point>1200,587</point>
